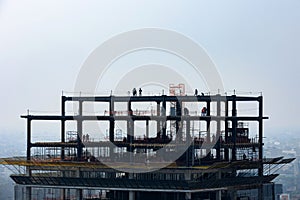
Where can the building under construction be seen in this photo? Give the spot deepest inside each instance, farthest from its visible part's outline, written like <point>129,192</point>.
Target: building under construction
<point>200,148</point>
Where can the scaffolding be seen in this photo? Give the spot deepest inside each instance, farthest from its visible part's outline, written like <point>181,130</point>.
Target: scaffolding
<point>213,162</point>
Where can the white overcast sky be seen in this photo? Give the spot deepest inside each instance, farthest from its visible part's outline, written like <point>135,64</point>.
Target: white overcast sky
<point>255,45</point>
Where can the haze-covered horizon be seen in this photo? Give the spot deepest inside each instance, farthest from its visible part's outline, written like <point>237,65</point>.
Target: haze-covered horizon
<point>255,46</point>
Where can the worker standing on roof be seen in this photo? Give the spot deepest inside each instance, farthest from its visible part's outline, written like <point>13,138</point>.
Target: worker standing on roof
<point>204,111</point>
<point>140,91</point>
<point>196,92</point>
<point>134,92</point>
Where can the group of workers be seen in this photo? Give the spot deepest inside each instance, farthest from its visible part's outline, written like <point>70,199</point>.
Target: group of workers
<point>196,93</point>
<point>203,111</point>
<point>134,92</point>
<point>85,138</point>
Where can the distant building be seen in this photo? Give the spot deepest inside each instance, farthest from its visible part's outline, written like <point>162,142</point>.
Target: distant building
<point>284,197</point>
<point>278,190</point>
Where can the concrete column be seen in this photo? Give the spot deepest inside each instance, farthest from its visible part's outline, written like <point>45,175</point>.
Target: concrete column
<point>79,131</point>
<point>158,122</point>
<point>147,136</point>
<point>218,127</point>
<point>226,131</point>
<point>189,152</point>
<point>261,192</point>
<point>260,133</point>
<point>219,195</point>
<point>28,193</point>
<point>179,122</point>
<point>111,122</point>
<point>16,192</point>
<point>63,194</point>
<point>233,194</point>
<point>131,195</point>
<point>177,196</point>
<point>28,152</point>
<point>219,192</point>
<point>164,122</point>
<point>188,196</point>
<point>234,126</point>
<point>63,190</point>
<point>187,175</point>
<point>130,128</point>
<point>208,123</point>
<point>79,194</point>
<point>63,126</point>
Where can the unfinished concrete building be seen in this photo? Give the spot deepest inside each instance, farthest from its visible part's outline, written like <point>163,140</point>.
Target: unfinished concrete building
<point>200,148</point>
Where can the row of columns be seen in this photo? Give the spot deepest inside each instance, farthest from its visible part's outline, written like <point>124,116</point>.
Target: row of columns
<point>130,129</point>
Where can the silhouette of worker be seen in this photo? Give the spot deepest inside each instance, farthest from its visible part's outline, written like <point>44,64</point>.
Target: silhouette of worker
<point>134,92</point>
<point>196,92</point>
<point>204,111</point>
<point>140,91</point>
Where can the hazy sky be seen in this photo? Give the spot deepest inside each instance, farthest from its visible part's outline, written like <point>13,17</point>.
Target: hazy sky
<point>255,45</point>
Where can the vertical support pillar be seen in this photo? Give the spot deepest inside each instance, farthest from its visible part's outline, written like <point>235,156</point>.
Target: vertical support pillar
<point>273,191</point>
<point>260,192</point>
<point>219,192</point>
<point>208,122</point>
<point>147,135</point>
<point>234,126</point>
<point>79,131</point>
<point>260,141</point>
<point>63,125</point>
<point>188,131</point>
<point>218,134</point>
<point>188,177</point>
<point>158,122</point>
<point>233,194</point>
<point>178,121</point>
<point>131,193</point>
<point>111,125</point>
<point>28,193</point>
<point>260,132</point>
<point>147,128</point>
<point>219,195</point>
<point>130,127</point>
<point>164,123</point>
<point>177,196</point>
<point>226,151</point>
<point>80,107</point>
<point>28,152</point>
<point>189,151</point>
<point>111,121</point>
<point>28,190</point>
<point>17,194</point>
<point>188,196</point>
<point>79,194</point>
<point>63,194</point>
